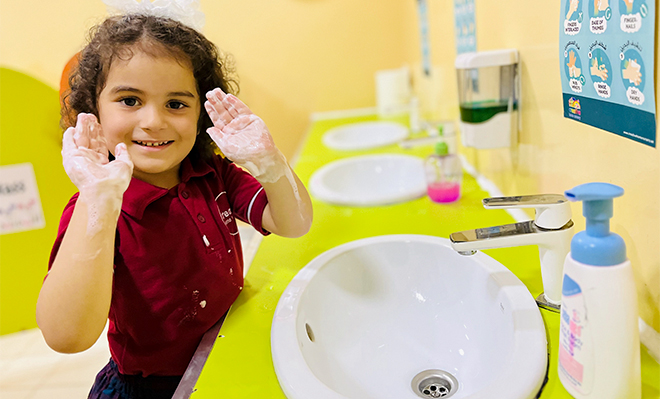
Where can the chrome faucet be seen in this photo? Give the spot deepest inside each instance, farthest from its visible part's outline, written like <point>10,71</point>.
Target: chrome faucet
<point>551,230</point>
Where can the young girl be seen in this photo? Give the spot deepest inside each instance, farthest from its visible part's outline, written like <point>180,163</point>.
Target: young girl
<point>150,242</point>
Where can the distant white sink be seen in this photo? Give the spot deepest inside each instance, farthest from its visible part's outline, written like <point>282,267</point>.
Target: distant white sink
<point>370,180</point>
<point>362,320</point>
<point>365,135</point>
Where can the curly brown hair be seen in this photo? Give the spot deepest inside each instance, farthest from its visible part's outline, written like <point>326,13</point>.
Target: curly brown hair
<point>118,37</point>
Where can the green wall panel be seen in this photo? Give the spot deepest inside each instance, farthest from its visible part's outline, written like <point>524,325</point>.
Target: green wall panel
<point>29,132</point>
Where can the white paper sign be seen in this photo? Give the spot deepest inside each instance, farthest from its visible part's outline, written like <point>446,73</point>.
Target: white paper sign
<point>20,206</point>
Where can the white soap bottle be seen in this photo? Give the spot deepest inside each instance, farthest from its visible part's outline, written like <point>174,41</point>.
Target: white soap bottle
<point>599,337</point>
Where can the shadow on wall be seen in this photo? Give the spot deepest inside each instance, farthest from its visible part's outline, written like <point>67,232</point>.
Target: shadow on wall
<point>29,132</point>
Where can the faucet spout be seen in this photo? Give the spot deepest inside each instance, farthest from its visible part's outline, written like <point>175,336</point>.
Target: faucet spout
<point>554,245</point>
<point>508,235</point>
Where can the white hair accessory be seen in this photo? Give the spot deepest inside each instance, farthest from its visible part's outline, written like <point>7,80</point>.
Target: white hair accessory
<point>185,11</point>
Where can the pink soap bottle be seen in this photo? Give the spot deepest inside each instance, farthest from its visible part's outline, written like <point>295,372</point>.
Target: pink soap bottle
<point>444,175</point>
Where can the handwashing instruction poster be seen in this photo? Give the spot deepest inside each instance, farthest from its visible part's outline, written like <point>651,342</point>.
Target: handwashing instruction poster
<point>423,11</point>
<point>606,53</point>
<point>465,26</point>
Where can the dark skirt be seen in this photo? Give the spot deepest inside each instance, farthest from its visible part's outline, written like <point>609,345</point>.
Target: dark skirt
<point>110,384</point>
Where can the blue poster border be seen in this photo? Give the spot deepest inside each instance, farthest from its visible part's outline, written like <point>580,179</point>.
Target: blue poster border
<point>635,124</point>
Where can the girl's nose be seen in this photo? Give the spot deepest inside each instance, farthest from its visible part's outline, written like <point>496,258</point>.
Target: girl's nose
<point>153,119</point>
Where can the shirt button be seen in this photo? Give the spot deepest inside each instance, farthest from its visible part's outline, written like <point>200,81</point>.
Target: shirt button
<point>201,218</point>
<point>184,194</point>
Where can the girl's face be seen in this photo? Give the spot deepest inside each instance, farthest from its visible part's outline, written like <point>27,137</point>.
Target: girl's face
<point>151,104</point>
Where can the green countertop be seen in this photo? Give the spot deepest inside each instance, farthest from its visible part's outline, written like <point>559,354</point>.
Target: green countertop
<point>240,364</point>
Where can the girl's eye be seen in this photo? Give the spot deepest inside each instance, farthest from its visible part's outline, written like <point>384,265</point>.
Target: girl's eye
<point>176,105</point>
<point>129,101</point>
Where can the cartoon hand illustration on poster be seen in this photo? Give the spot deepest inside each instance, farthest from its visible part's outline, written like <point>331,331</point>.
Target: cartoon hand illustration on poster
<point>573,70</point>
<point>629,6</point>
<point>632,13</point>
<point>632,72</point>
<point>633,76</point>
<point>600,70</point>
<point>572,8</point>
<point>573,21</point>
<point>599,14</point>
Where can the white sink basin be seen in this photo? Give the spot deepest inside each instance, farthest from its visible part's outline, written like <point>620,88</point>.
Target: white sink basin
<point>370,180</point>
<point>365,135</point>
<point>362,320</point>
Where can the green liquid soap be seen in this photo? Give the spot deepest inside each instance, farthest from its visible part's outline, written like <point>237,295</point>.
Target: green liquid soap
<point>482,111</point>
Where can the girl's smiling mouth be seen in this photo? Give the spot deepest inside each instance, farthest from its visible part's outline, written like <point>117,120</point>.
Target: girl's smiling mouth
<point>152,143</point>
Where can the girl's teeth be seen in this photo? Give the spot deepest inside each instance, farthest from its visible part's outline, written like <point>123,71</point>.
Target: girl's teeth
<point>152,144</point>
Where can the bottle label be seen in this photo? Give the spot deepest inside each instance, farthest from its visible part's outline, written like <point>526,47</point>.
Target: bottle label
<point>574,348</point>
<point>571,367</point>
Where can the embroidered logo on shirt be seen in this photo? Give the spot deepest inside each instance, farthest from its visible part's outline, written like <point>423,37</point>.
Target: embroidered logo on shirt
<point>226,215</point>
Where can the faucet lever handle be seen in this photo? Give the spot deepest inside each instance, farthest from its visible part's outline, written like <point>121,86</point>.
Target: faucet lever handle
<point>552,211</point>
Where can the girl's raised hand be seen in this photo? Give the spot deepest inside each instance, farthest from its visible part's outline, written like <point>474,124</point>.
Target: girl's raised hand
<point>85,159</point>
<point>243,137</point>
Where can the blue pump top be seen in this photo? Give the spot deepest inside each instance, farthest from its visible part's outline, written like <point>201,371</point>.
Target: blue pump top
<point>597,246</point>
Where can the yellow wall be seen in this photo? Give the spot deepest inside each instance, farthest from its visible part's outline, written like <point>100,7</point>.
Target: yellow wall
<point>295,57</point>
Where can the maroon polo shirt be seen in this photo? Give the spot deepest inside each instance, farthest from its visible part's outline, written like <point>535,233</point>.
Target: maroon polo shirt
<point>178,263</point>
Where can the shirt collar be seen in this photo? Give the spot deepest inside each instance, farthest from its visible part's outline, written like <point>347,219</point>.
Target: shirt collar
<point>140,194</point>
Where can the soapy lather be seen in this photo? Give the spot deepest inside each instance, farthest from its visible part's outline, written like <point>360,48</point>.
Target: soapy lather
<point>85,158</point>
<point>244,138</point>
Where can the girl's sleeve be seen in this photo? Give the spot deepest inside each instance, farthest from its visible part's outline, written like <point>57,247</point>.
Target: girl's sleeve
<point>64,224</point>
<point>246,195</point>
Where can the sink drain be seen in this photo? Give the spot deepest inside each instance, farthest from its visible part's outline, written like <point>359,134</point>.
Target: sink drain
<point>434,384</point>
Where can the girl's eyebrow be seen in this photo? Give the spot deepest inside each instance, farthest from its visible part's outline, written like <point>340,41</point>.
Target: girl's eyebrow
<point>120,89</point>
<point>180,94</point>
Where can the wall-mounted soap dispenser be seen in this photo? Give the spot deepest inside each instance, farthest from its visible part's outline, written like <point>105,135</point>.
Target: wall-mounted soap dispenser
<point>488,96</point>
